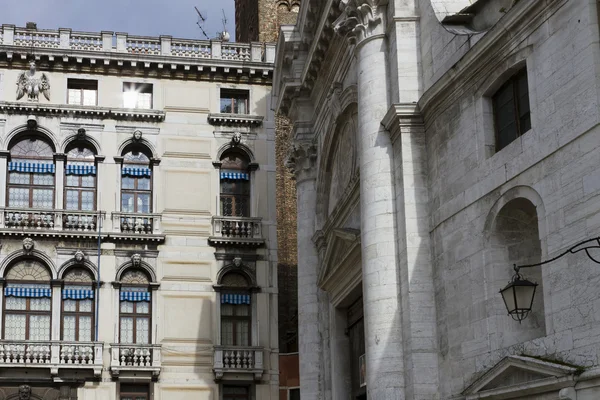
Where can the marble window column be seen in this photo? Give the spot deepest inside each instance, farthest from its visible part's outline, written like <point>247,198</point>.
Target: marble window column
<point>362,21</point>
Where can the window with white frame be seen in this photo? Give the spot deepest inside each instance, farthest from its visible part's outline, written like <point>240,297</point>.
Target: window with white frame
<point>27,302</point>
<point>234,101</point>
<point>31,173</point>
<point>235,184</point>
<point>80,179</point>
<point>236,311</point>
<point>82,92</point>
<point>78,305</point>
<point>135,308</point>
<point>136,181</point>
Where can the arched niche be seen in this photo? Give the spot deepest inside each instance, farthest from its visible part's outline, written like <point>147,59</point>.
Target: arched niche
<point>514,236</point>
<point>338,163</point>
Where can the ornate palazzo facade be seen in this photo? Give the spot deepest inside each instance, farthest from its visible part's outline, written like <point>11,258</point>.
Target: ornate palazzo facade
<point>435,144</point>
<point>138,245</point>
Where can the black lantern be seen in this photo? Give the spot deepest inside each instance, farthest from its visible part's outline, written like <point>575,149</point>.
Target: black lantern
<point>518,296</point>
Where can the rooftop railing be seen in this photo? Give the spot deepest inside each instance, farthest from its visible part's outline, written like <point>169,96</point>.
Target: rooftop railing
<point>137,45</point>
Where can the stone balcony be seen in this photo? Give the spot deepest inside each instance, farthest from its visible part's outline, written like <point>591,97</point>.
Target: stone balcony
<point>139,49</point>
<point>136,226</point>
<point>240,231</point>
<point>237,360</point>
<point>49,222</point>
<point>52,355</point>
<point>139,360</point>
<point>80,224</point>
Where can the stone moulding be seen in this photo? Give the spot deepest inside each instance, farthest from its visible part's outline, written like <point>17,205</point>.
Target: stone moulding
<point>83,111</point>
<point>223,119</point>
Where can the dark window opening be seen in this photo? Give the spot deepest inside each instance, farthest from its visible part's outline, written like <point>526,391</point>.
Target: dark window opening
<point>511,109</point>
<point>234,101</point>
<point>236,393</point>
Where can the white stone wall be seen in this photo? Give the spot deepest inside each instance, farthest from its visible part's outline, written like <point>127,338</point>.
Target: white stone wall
<point>186,193</point>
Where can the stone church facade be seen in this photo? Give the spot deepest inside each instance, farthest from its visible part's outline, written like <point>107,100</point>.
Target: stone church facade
<point>436,144</point>
<point>138,241</point>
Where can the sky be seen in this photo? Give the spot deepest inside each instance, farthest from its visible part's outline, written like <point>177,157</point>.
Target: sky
<point>136,17</point>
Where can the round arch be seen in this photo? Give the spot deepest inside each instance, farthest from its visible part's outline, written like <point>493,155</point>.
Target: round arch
<point>72,139</point>
<point>144,266</point>
<point>525,192</point>
<point>242,270</point>
<point>72,263</point>
<point>138,143</point>
<point>23,130</point>
<point>240,147</point>
<point>19,255</point>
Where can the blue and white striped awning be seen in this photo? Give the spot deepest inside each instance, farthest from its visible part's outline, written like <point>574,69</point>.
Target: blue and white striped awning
<point>72,169</point>
<point>135,296</point>
<point>27,292</point>
<point>233,298</point>
<point>35,168</point>
<point>235,176</point>
<point>77,294</point>
<point>131,171</point>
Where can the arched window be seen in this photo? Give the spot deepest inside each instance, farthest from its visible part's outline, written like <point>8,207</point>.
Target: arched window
<point>136,181</point>
<point>135,307</point>
<point>236,312</point>
<point>78,305</point>
<point>80,182</point>
<point>27,302</point>
<point>31,173</point>
<point>235,184</point>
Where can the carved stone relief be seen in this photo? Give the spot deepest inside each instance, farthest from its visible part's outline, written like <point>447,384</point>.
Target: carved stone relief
<point>342,166</point>
<point>31,83</point>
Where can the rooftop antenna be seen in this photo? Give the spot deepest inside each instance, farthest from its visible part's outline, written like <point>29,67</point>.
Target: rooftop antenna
<point>224,36</point>
<point>200,22</point>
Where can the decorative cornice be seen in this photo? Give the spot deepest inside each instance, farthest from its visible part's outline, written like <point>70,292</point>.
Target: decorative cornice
<point>235,120</point>
<point>82,111</point>
<point>361,19</point>
<point>301,160</point>
<point>400,117</point>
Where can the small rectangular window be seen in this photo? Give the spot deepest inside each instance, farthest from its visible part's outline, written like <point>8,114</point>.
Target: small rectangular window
<point>234,101</point>
<point>294,394</point>
<point>511,109</point>
<point>134,392</point>
<point>236,393</point>
<point>82,92</point>
<point>137,95</point>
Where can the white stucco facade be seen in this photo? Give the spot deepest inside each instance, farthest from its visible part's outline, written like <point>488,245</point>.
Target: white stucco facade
<point>183,243</point>
<point>417,214</point>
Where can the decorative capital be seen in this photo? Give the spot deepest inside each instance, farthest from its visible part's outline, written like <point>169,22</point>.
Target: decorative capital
<point>361,19</point>
<point>301,160</point>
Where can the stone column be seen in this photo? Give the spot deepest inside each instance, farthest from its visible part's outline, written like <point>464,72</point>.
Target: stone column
<point>363,22</point>
<point>301,161</point>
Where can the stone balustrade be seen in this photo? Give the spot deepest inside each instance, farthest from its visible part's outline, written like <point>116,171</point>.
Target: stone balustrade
<point>136,223</point>
<point>49,219</point>
<point>135,357</point>
<point>238,360</point>
<point>138,45</point>
<point>237,227</point>
<point>51,354</point>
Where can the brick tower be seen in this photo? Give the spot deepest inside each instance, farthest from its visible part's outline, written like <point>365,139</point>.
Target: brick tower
<point>260,20</point>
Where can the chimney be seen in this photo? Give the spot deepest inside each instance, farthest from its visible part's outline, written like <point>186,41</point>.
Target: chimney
<point>31,25</point>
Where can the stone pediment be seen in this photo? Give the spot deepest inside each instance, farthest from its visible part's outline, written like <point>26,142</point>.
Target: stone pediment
<point>517,376</point>
<point>343,250</point>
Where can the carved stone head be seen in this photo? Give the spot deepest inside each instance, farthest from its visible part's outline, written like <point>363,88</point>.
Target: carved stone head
<point>81,133</point>
<point>28,245</point>
<point>137,135</point>
<point>24,392</point>
<point>136,260</point>
<point>237,261</point>
<point>32,66</point>
<point>79,256</point>
<point>236,139</point>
